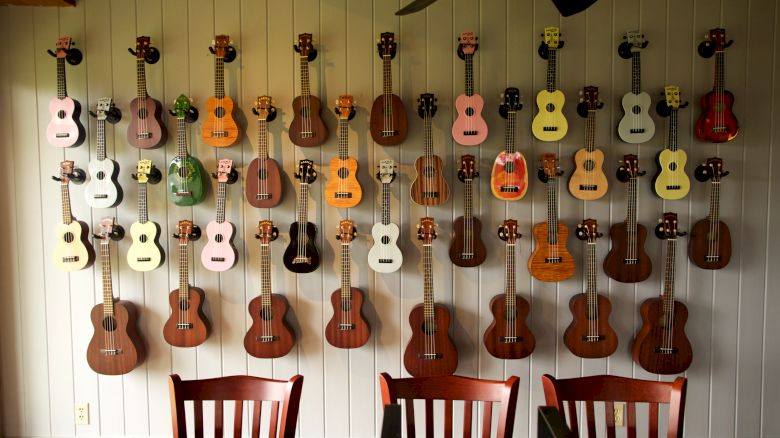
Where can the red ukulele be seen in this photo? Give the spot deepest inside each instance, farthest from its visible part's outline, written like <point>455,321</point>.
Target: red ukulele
<point>717,123</point>
<point>509,178</point>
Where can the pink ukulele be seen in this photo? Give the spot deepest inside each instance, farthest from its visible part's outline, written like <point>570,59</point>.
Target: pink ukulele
<point>469,128</point>
<point>64,129</point>
<point>219,254</point>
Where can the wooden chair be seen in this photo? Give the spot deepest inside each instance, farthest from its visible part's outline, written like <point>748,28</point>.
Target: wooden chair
<point>449,388</point>
<point>610,389</point>
<point>239,389</point>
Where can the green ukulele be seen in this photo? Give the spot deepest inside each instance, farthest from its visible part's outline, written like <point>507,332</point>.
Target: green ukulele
<point>185,174</point>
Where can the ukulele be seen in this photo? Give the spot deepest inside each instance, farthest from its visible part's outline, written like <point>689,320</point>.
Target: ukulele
<point>263,182</point>
<point>269,336</point>
<point>103,190</point>
<point>343,189</point>
<point>301,255</point>
<point>116,346</point>
<point>588,181</point>
<point>550,123</point>
<point>219,254</point>
<point>469,128</point>
<point>348,327</point>
<point>717,123</point>
<point>467,249</point>
<point>627,261</point>
<point>671,182</point>
<point>388,117</point>
<point>508,336</point>
<point>589,335</point>
<point>385,256</point>
<point>65,128</point>
<point>636,126</point>
<point>220,129</point>
<point>146,129</point>
<point>145,253</point>
<point>430,351</point>
<point>509,177</point>
<point>187,326</point>
<point>429,187</point>
<point>709,246</point>
<point>661,346</point>
<point>73,251</point>
<point>307,127</point>
<point>551,260</point>
<point>185,173</point>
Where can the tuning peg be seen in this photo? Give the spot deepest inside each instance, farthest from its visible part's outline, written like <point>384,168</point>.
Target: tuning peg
<point>338,236</point>
<point>642,173</point>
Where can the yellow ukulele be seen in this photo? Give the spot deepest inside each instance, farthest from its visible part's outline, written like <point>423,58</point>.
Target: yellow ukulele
<point>671,182</point>
<point>219,129</point>
<point>588,181</point>
<point>549,123</point>
<point>343,189</point>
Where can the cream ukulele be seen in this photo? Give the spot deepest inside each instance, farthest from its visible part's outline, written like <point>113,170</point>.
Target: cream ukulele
<point>661,346</point>
<point>348,327</point>
<point>220,129</point>
<point>469,128</point>
<point>307,127</point>
<point>717,123</point>
<point>103,190</point>
<point>73,251</point>
<point>343,189</point>
<point>219,254</point>
<point>508,336</point>
<point>550,123</point>
<point>588,181</point>
<point>388,116</point>
<point>709,246</point>
<point>116,347</point>
<point>429,187</point>
<point>467,248</point>
<point>385,256</point>
<point>65,128</point>
<point>509,177</point>
<point>263,178</point>
<point>430,351</point>
<point>636,126</point>
<point>187,326</point>
<point>301,255</point>
<point>551,260</point>
<point>269,336</point>
<point>671,182</point>
<point>589,335</point>
<point>146,129</point>
<point>145,253</point>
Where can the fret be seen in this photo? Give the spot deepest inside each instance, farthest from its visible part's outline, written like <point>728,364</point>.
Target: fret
<point>140,64</point>
<point>631,213</point>
<point>510,288</point>
<point>343,138</point>
<point>101,139</point>
<point>552,210</point>
<point>62,91</point>
<point>590,273</point>
<point>428,143</point>
<point>346,273</point>
<point>303,204</point>
<point>669,274</point>
<point>636,73</point>
<point>262,139</point>
<point>108,291</point>
<point>509,141</point>
<point>221,195</point>
<point>387,75</point>
<point>181,138</point>
<point>385,203</point>
<point>265,275</point>
<point>305,89</point>
<point>469,75</point>
<point>468,201</point>
<point>184,272</point>
<point>143,214</point>
<point>673,130</point>
<point>428,281</point>
<point>67,216</point>
<point>590,130</point>
<point>219,77</point>
<point>719,74</point>
<point>551,69</point>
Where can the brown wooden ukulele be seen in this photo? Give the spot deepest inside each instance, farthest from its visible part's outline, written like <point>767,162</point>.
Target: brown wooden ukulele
<point>146,129</point>
<point>627,261</point>
<point>116,347</point>
<point>589,335</point>
<point>269,336</point>
<point>187,326</point>
<point>551,260</point>
<point>588,181</point>
<point>661,346</point>
<point>307,127</point>
<point>429,187</point>
<point>220,129</point>
<point>348,327</point>
<point>467,248</point>
<point>263,178</point>
<point>508,336</point>
<point>709,246</point>
<point>430,351</point>
<point>388,116</point>
<point>343,189</point>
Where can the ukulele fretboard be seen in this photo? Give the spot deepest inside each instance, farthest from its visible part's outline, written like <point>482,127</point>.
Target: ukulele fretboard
<point>108,291</point>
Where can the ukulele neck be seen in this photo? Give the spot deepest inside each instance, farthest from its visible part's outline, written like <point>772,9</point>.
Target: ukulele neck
<point>305,88</point>
<point>108,291</point>
<point>509,141</point>
<point>101,139</point>
<point>346,274</point>
<point>551,69</point>
<point>343,138</point>
<point>62,91</point>
<point>140,69</point>
<point>428,282</point>
<point>510,287</point>
<point>262,139</point>
<point>143,213</point>
<point>385,203</point>
<point>469,74</point>
<point>67,216</point>
<point>265,275</point>
<point>302,214</point>
<point>631,212</point>
<point>181,139</point>
<point>590,131</point>
<point>714,211</point>
<point>636,73</point>
<point>219,77</point>
<point>387,76</point>
<point>428,136</point>
<point>719,74</point>
<point>184,271</point>
<point>667,295</point>
<point>468,201</point>
<point>673,130</point>
<point>552,210</point>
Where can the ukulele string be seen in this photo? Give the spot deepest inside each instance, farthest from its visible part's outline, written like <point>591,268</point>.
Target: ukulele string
<point>306,101</point>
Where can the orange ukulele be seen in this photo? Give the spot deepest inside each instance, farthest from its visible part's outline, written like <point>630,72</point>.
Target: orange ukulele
<point>343,189</point>
<point>219,129</point>
<point>509,178</point>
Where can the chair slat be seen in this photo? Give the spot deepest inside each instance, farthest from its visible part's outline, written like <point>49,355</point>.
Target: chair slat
<point>274,419</point>
<point>653,420</point>
<point>238,419</point>
<point>467,406</point>
<point>590,417</point>
<point>256,417</point>
<point>447,418</point>
<point>428,418</point>
<point>410,430</point>
<point>609,417</point>
<point>487,419</point>
<point>631,419</point>
<point>219,416</point>
<point>198,418</point>
<point>571,405</point>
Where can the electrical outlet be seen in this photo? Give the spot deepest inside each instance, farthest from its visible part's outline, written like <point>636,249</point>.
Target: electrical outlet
<point>619,417</point>
<point>82,413</point>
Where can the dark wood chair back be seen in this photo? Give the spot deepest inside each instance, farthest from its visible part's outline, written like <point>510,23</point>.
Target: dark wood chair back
<point>450,388</point>
<point>284,395</point>
<point>610,389</point>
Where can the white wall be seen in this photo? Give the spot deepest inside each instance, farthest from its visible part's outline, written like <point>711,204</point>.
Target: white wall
<point>733,385</point>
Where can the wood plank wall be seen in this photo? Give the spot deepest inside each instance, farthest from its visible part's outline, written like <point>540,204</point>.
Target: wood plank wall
<point>733,385</point>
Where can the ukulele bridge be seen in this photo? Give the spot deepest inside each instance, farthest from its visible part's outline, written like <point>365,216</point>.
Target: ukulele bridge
<point>143,259</point>
<point>552,259</point>
<point>589,187</point>
<point>467,255</point>
<point>301,259</point>
<point>385,260</point>
<point>219,134</point>
<point>550,128</point>
<point>509,189</point>
<point>70,259</point>
<point>343,195</point>
<point>716,129</point>
<point>593,338</point>
<point>217,259</point>
<point>510,339</point>
<point>307,134</point>
<point>143,135</point>
<point>181,193</point>
<point>469,132</point>
<point>637,130</point>
<point>674,187</point>
<point>266,338</point>
<point>430,194</point>
<point>389,133</point>
<point>631,261</point>
<point>262,196</point>
<point>712,258</point>
<point>666,350</point>
<point>429,356</point>
<point>101,196</point>
<point>184,326</point>
<point>110,351</point>
<point>62,135</point>
<point>346,326</point>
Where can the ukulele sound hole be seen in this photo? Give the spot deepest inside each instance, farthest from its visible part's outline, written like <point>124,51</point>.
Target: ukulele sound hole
<point>550,108</point>
<point>142,113</point>
<point>672,166</point>
<point>346,306</point>
<point>509,167</point>
<point>100,175</point>
<point>68,237</point>
<point>589,165</point>
<point>219,238</point>
<point>143,238</point>
<point>184,305</point>
<point>385,240</point>
<point>428,328</point>
<point>109,324</point>
<point>61,114</point>
<point>343,172</point>
<point>429,171</point>
<point>636,109</point>
<point>266,313</point>
<point>262,173</point>
<point>219,112</point>
<point>469,111</point>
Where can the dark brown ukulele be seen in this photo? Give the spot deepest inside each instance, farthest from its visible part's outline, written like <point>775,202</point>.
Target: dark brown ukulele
<point>187,325</point>
<point>661,347</point>
<point>348,327</point>
<point>467,249</point>
<point>429,187</point>
<point>116,347</point>
<point>430,351</point>
<point>307,127</point>
<point>388,116</point>
<point>508,336</point>
<point>589,335</point>
<point>269,336</point>
<point>263,180</point>
<point>709,246</point>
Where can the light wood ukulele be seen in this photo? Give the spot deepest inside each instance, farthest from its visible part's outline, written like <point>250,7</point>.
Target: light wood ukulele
<point>429,187</point>
<point>220,129</point>
<point>588,181</point>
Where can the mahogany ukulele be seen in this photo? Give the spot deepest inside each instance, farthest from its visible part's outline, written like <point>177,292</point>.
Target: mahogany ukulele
<point>116,346</point>
<point>343,189</point>
<point>588,181</point>
<point>430,351</point>
<point>65,128</point>
<point>388,122</point>
<point>263,178</point>
<point>307,127</point>
<point>219,254</point>
<point>220,129</point>
<point>301,255</point>
<point>73,251</point>
<point>709,246</point>
<point>509,177</point>
<point>467,249</point>
<point>551,260</point>
<point>270,335</point>
<point>508,336</point>
<point>469,129</point>
<point>661,346</point>
<point>589,335</point>
<point>348,327</point>
<point>187,326</point>
<point>429,186</point>
<point>146,129</point>
<point>627,261</point>
<point>717,123</point>
<point>550,124</point>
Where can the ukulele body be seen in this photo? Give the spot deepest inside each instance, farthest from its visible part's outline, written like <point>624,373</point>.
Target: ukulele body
<point>458,246</point>
<point>219,254</point>
<point>469,129</point>
<point>495,337</point>
<point>65,129</point>
<point>615,264</point>
<point>348,327</point>
<point>185,181</point>
<point>701,241</point>
<point>124,338</point>
<point>588,181</point>
<point>576,335</point>
<point>509,177</point>
<point>447,360</point>
<point>103,190</point>
<point>343,189</point>
<point>394,113</point>
<point>550,123</point>
<point>385,256</point>
<point>717,123</point>
<point>187,311</point>
<point>671,182</point>
<point>220,129</point>
<point>263,183</point>
<point>550,262</point>
<point>307,128</point>
<point>651,337</point>
<point>636,126</point>
<point>145,253</point>
<point>146,130</point>
<point>259,340</point>
<point>429,186</point>
<point>73,251</point>
<point>312,257</point>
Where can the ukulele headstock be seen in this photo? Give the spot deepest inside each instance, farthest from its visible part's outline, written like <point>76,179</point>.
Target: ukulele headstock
<point>105,110</point>
<point>672,96</point>
<point>549,167</point>
<point>183,109</point>
<point>306,173</point>
<point>628,168</point>
<point>467,171</point>
<point>667,227</point>
<point>467,44</point>
<point>511,102</point>
<point>264,108</point>
<point>386,173</point>
<point>221,48</point>
<point>347,231</point>
<point>225,172</point>
<point>588,230</point>
<point>186,231</point>
<point>66,171</point>
<point>266,232</point>
<point>426,230</point>
<point>636,39</point>
<point>717,38</point>
<point>712,170</point>
<point>110,230</point>
<point>142,170</point>
<point>552,37</point>
<point>426,105</point>
<point>590,97</point>
<point>63,45</point>
<point>144,50</point>
<point>508,232</point>
<point>345,107</point>
<point>305,46</point>
<point>386,45</point>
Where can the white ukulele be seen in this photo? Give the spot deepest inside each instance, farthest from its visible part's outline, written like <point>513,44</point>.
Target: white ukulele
<point>385,256</point>
<point>636,126</point>
<point>73,251</point>
<point>103,191</point>
<point>219,254</point>
<point>550,123</point>
<point>145,253</point>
